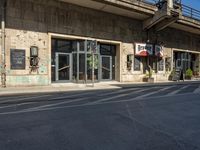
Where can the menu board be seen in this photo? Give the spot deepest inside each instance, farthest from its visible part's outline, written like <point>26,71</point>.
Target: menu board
<point>17,59</point>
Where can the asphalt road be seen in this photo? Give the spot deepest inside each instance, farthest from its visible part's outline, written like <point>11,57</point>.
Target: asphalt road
<point>143,118</point>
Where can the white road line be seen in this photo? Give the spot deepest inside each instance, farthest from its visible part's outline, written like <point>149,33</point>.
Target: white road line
<point>113,97</point>
<point>12,97</point>
<point>155,92</point>
<point>16,105</point>
<point>87,104</point>
<point>70,96</point>
<point>119,91</point>
<point>26,98</point>
<point>56,104</point>
<point>197,90</point>
<point>178,90</point>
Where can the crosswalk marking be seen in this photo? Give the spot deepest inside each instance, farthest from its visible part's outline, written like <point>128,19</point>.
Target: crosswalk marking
<point>177,91</point>
<point>117,96</point>
<point>56,104</point>
<point>26,98</point>
<point>155,92</point>
<point>120,91</point>
<point>197,90</point>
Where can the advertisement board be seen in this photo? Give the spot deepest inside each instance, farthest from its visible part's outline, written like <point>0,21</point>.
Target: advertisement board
<point>143,49</point>
<point>159,51</point>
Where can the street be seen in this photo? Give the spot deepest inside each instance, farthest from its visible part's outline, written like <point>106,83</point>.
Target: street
<point>129,118</point>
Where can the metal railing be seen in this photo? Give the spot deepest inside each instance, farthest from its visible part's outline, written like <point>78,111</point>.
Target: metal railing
<point>190,12</point>
<point>152,2</point>
<point>186,10</point>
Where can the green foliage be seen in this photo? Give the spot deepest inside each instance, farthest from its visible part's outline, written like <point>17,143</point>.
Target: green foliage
<point>189,73</point>
<point>90,61</point>
<point>149,73</point>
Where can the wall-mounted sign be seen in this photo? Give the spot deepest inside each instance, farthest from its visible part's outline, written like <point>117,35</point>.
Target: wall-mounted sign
<point>17,59</point>
<point>159,51</point>
<point>143,49</point>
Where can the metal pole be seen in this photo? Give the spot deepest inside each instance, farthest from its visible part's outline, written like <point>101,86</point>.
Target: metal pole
<point>3,64</point>
<point>93,69</point>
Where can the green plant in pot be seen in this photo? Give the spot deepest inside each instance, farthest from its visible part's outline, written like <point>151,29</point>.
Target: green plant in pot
<point>189,74</point>
<point>149,77</point>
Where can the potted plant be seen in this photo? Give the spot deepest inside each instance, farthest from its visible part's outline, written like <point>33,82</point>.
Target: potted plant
<point>149,77</point>
<point>171,76</point>
<point>189,74</point>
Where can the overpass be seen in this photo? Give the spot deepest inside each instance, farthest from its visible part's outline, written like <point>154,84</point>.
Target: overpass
<point>155,14</point>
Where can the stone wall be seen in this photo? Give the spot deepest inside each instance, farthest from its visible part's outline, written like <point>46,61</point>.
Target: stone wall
<point>23,39</point>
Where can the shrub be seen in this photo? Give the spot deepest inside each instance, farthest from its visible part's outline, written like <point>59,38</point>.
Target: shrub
<point>189,73</point>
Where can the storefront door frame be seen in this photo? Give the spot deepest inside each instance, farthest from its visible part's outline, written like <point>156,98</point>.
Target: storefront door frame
<point>109,69</point>
<point>57,66</point>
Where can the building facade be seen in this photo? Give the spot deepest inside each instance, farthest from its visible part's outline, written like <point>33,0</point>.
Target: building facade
<point>62,41</point>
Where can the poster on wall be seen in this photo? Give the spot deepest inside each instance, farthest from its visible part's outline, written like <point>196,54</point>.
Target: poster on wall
<point>159,51</point>
<point>143,49</point>
<point>17,59</point>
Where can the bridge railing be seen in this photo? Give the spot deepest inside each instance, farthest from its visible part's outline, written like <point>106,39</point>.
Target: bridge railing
<point>190,12</point>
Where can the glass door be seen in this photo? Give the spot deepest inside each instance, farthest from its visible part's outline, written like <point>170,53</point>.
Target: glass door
<point>63,67</point>
<point>106,68</point>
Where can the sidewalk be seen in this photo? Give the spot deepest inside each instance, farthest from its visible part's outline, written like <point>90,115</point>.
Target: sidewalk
<point>64,87</point>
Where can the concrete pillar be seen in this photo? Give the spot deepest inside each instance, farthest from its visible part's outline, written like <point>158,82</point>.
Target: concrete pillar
<point>170,3</point>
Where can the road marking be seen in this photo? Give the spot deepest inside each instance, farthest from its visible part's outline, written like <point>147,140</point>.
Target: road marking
<point>26,98</point>
<point>70,96</point>
<point>178,90</point>
<point>197,90</point>
<point>119,91</point>
<point>88,104</point>
<point>16,105</point>
<point>56,104</point>
<point>118,96</point>
<point>151,93</point>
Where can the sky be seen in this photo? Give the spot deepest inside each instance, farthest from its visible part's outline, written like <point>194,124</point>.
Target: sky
<point>192,3</point>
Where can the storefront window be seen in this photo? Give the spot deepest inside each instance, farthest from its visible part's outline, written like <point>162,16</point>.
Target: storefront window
<point>137,64</point>
<point>167,64</point>
<point>160,64</point>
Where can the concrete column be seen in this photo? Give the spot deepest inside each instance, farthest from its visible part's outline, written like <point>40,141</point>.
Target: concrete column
<point>170,3</point>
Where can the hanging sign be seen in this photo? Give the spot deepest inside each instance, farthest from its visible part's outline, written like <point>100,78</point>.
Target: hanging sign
<point>159,51</point>
<point>143,49</point>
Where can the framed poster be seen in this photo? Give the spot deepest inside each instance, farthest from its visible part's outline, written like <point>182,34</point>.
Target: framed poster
<point>17,59</point>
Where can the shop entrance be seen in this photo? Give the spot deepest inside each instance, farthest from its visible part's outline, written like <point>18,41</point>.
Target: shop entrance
<point>106,68</point>
<point>74,61</point>
<point>63,67</point>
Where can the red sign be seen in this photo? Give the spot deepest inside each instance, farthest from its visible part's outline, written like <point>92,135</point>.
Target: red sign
<point>142,49</point>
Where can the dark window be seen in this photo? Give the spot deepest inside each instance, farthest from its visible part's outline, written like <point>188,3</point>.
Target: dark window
<point>65,46</point>
<point>106,49</point>
<point>137,64</point>
<point>160,65</point>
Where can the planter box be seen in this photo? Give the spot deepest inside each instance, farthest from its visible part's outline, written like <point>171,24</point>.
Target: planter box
<point>149,80</point>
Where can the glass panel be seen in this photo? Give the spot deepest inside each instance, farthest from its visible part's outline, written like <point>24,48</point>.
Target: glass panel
<point>64,46</point>
<point>168,64</point>
<point>160,65</point>
<point>82,45</point>
<point>106,70</point>
<point>113,68</point>
<point>89,67</point>
<point>81,66</point>
<point>63,67</point>
<point>74,67</point>
<point>136,63</point>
